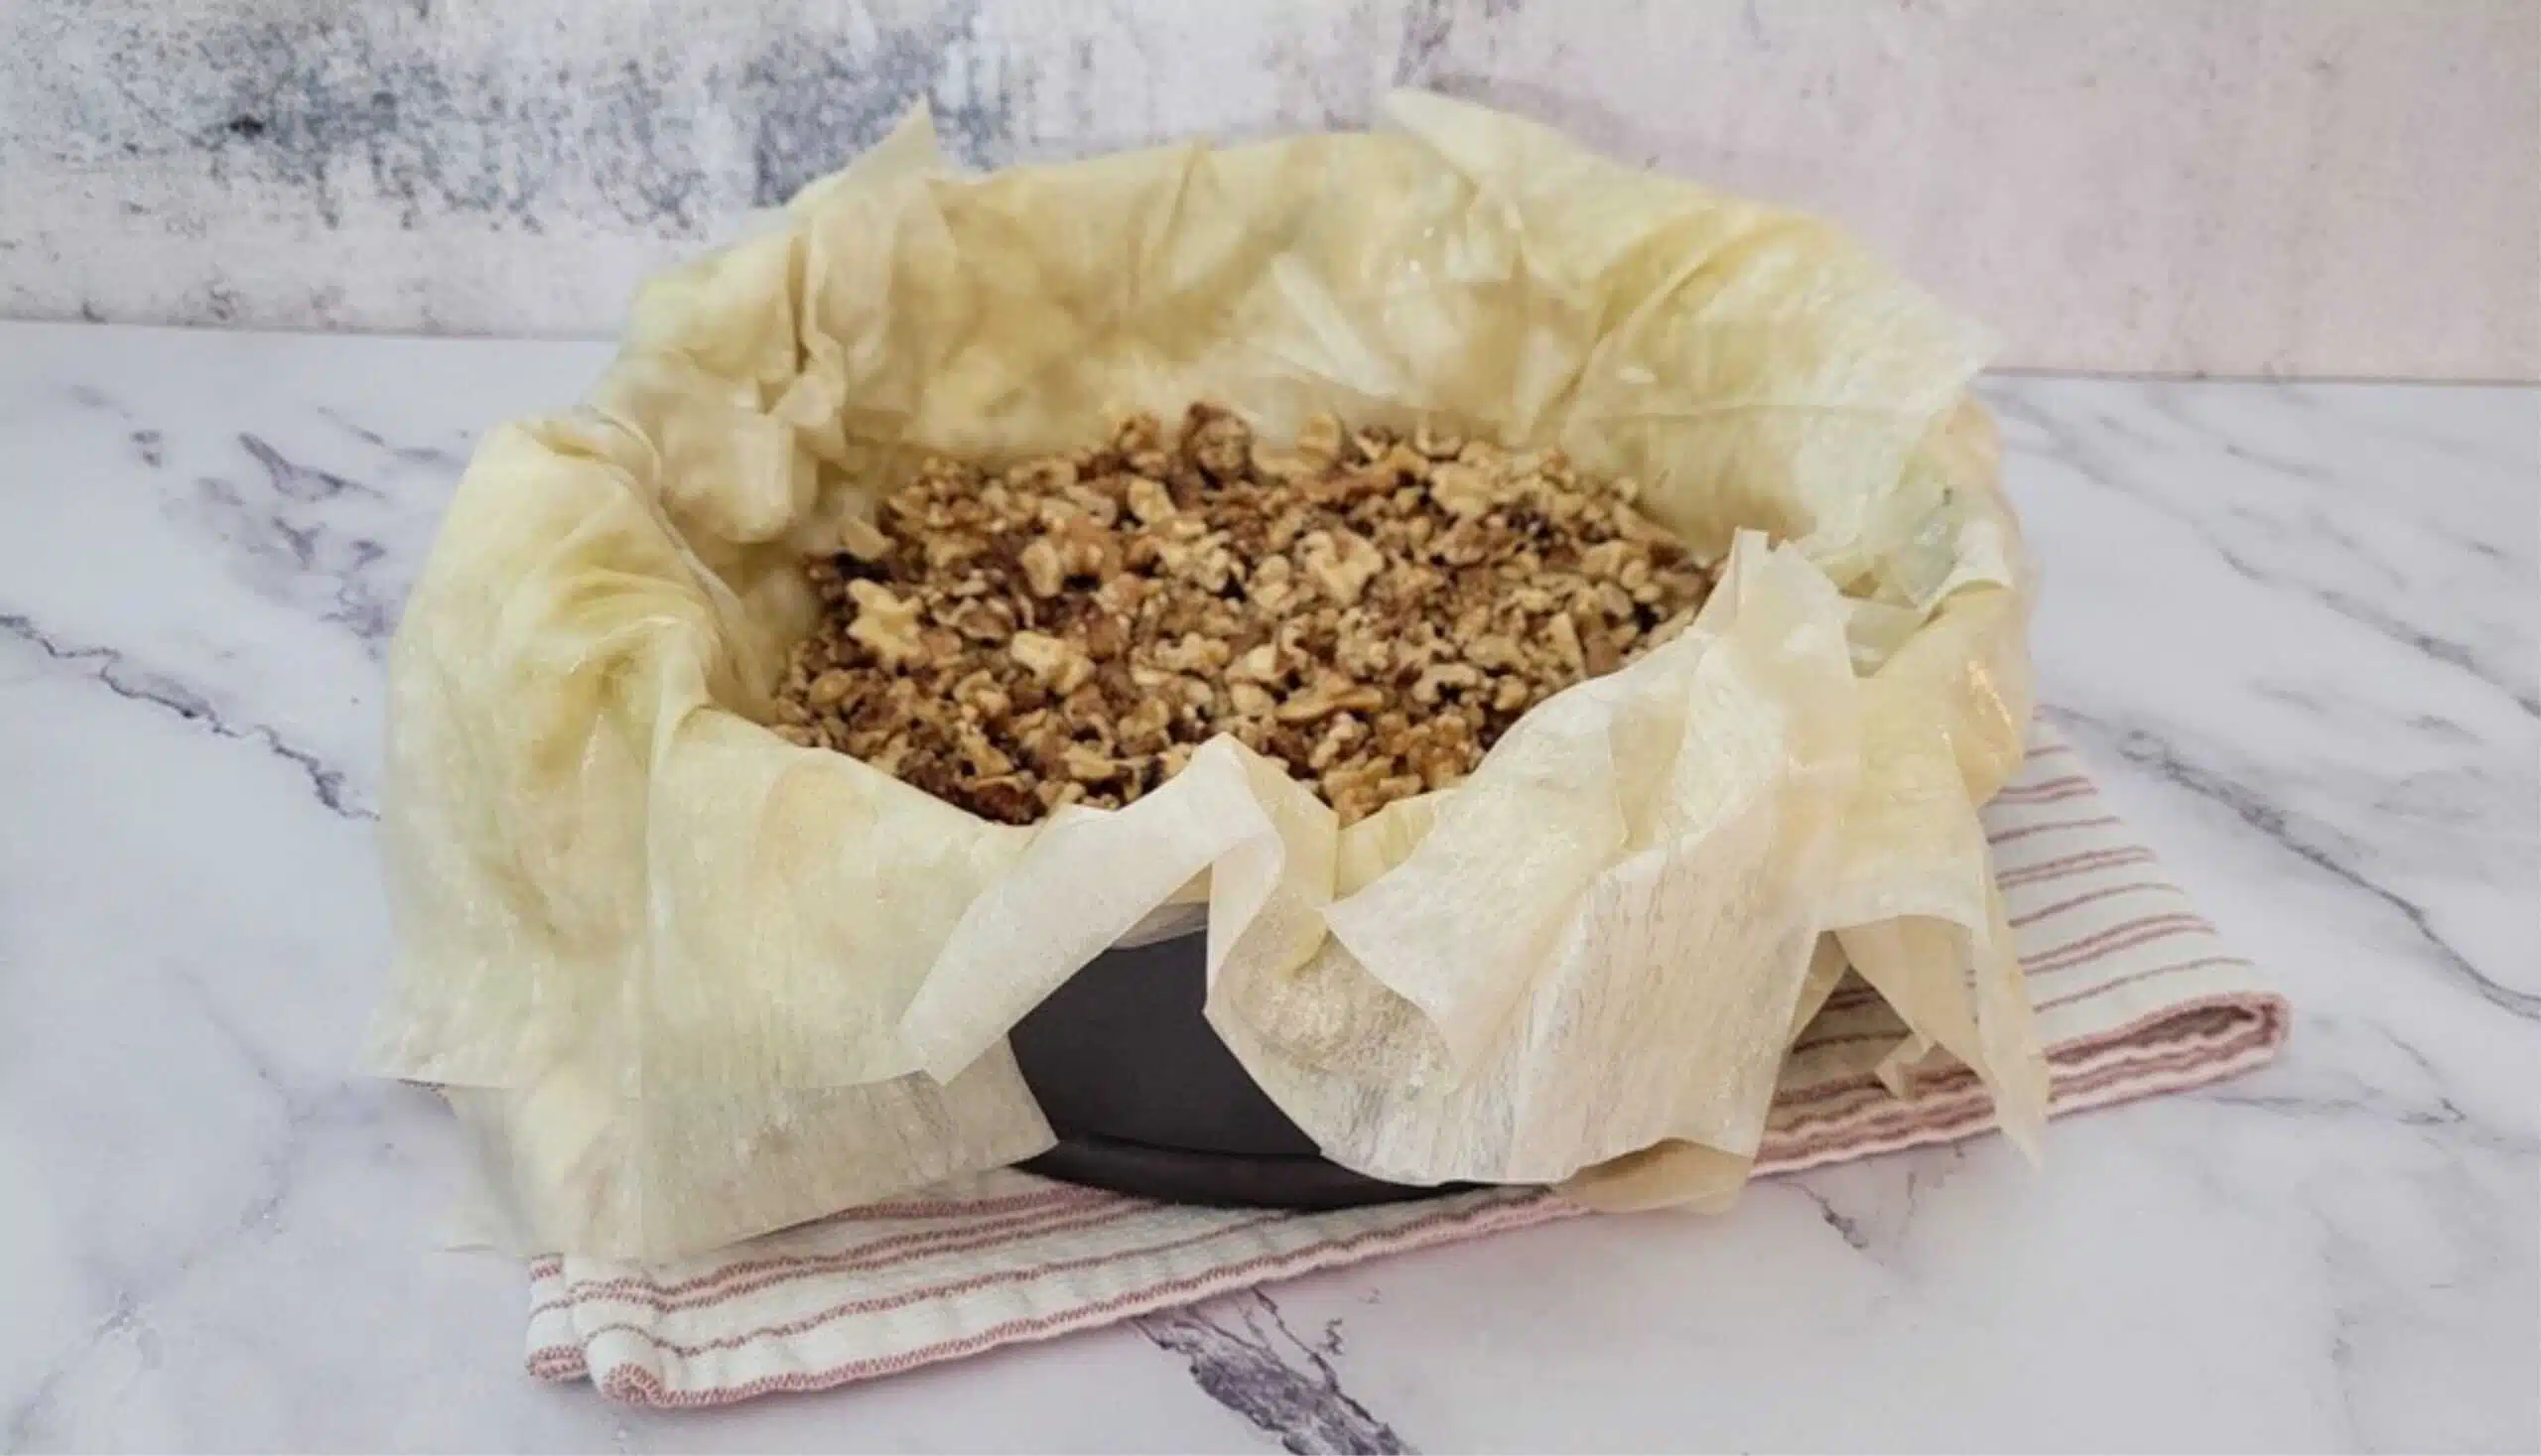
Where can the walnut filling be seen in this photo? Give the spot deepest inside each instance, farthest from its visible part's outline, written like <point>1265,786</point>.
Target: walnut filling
<point>1373,612</point>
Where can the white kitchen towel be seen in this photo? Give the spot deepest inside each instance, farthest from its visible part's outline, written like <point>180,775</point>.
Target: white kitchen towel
<point>2134,996</point>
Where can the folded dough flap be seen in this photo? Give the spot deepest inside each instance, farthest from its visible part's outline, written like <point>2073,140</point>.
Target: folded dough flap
<point>1520,1005</point>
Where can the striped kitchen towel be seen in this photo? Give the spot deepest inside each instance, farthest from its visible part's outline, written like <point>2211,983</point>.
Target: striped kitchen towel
<point>2134,996</point>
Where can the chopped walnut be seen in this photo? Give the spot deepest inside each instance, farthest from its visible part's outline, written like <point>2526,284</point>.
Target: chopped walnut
<point>1058,665</point>
<point>1218,442</point>
<point>1088,765</point>
<point>1565,641</point>
<point>1435,682</point>
<point>1463,491</point>
<point>1342,563</point>
<point>1259,664</point>
<point>1043,573</point>
<point>885,624</point>
<point>1344,731</point>
<point>863,539</point>
<point>1435,443</point>
<point>1373,612</point>
<point>831,687</point>
<point>1319,439</point>
<point>1150,501</point>
<point>1329,695</point>
<point>1192,653</point>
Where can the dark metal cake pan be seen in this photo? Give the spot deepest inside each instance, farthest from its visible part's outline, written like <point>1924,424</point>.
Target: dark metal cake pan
<point>1146,1099</point>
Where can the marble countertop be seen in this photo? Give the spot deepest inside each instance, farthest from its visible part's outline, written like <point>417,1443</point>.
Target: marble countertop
<point>2291,627</point>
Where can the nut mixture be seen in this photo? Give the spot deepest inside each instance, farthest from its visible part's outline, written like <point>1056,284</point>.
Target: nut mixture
<point>1373,612</point>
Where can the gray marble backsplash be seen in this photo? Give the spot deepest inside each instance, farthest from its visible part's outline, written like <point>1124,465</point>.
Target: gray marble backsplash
<point>2268,188</point>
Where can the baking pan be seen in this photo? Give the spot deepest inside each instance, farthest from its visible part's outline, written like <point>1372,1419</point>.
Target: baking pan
<point>1146,1099</point>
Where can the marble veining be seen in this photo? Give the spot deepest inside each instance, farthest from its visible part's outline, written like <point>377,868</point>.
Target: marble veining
<point>110,670</point>
<point>2289,625</point>
<point>1241,1352</point>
